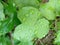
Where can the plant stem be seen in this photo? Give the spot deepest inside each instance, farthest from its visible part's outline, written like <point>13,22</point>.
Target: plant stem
<point>11,38</point>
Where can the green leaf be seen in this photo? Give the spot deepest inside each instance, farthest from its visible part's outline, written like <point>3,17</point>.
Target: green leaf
<point>9,9</point>
<point>10,21</point>
<point>6,26</point>
<point>48,10</point>
<point>22,3</point>
<point>2,16</point>
<point>24,32</point>
<point>29,14</point>
<point>10,12</point>
<point>16,20</point>
<point>57,39</point>
<point>58,25</point>
<point>1,6</point>
<point>48,14</point>
<point>41,28</point>
<point>5,40</point>
<point>26,43</point>
<point>57,6</point>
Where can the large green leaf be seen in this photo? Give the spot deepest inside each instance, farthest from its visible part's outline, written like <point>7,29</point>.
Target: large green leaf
<point>48,9</point>
<point>28,15</point>
<point>41,28</point>
<point>2,16</point>
<point>49,14</point>
<point>24,32</point>
<point>21,3</point>
<point>55,4</point>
